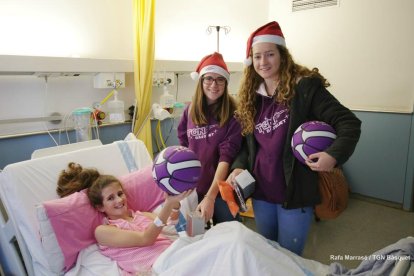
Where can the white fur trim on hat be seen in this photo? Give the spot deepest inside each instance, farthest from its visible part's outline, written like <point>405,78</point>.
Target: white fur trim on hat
<point>248,61</point>
<point>194,75</point>
<point>215,69</point>
<point>269,38</point>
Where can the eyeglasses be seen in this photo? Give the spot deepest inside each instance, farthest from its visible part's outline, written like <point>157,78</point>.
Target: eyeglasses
<point>209,80</point>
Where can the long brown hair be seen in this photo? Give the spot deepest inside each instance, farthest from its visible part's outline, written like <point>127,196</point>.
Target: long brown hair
<point>223,111</point>
<point>290,73</point>
<point>75,178</point>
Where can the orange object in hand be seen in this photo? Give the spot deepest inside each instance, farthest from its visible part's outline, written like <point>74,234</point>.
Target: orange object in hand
<point>227,194</point>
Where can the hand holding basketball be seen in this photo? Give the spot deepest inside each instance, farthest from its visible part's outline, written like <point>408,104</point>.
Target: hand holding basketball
<point>177,198</point>
<point>310,140</point>
<point>176,169</point>
<point>323,162</point>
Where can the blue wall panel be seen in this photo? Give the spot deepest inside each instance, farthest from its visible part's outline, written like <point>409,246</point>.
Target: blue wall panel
<point>19,148</point>
<point>379,164</point>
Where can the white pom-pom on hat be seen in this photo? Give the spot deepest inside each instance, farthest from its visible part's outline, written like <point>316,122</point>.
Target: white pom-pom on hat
<point>194,75</point>
<point>247,62</point>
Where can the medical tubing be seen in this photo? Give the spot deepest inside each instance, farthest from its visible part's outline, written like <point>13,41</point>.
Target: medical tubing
<point>134,116</point>
<point>95,120</point>
<point>170,131</point>
<point>107,97</point>
<point>160,134</point>
<point>143,124</point>
<point>156,139</point>
<point>51,136</point>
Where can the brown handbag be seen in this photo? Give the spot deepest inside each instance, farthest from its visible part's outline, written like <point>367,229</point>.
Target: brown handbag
<point>334,191</point>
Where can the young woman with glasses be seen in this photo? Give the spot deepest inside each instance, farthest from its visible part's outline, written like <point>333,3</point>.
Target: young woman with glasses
<point>209,129</point>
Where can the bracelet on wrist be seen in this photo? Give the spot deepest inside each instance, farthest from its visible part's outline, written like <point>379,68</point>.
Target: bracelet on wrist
<point>158,222</point>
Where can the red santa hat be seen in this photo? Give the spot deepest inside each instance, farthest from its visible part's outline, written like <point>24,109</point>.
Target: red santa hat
<point>213,63</point>
<point>271,32</point>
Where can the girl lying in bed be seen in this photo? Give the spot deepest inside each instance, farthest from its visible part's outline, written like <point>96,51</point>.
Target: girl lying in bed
<point>132,238</point>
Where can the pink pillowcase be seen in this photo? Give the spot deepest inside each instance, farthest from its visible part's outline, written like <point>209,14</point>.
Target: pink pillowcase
<point>74,220</point>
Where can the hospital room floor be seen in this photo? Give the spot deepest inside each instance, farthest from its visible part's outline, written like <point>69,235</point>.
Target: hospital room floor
<point>363,228</point>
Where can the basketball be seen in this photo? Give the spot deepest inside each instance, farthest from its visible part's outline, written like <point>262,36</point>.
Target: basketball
<point>176,169</point>
<point>312,137</point>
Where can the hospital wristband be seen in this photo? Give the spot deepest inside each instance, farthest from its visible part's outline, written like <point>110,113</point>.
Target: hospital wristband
<point>158,222</point>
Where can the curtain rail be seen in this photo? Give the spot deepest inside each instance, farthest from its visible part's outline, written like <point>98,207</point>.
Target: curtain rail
<point>55,118</point>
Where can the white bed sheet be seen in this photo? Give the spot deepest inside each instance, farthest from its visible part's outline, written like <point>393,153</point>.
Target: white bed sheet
<point>228,248</point>
<point>91,262</point>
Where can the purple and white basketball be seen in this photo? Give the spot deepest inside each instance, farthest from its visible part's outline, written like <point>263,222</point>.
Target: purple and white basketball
<point>176,169</point>
<point>312,137</point>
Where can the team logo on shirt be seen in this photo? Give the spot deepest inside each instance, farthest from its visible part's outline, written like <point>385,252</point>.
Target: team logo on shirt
<point>202,132</point>
<point>270,124</point>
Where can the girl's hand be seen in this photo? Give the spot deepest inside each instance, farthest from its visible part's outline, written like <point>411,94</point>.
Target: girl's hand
<point>321,162</point>
<point>175,199</point>
<point>206,208</point>
<point>232,177</point>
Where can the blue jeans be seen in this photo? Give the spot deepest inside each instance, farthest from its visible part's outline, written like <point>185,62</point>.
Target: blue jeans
<point>288,227</point>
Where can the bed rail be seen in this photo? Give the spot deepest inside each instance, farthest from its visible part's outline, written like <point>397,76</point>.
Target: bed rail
<point>13,265</point>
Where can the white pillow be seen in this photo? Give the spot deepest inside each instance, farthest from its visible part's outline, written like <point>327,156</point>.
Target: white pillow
<point>50,244</point>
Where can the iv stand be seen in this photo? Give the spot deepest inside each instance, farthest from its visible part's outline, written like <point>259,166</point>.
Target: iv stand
<point>226,31</point>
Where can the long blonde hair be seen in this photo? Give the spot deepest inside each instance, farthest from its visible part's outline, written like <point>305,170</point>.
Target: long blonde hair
<point>223,111</point>
<point>290,73</point>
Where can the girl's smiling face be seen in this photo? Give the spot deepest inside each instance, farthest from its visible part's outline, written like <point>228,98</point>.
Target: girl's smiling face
<point>114,201</point>
<point>266,60</point>
<point>213,86</point>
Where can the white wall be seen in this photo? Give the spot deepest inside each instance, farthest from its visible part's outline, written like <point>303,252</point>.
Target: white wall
<point>66,28</point>
<point>181,27</point>
<point>32,97</point>
<point>363,47</point>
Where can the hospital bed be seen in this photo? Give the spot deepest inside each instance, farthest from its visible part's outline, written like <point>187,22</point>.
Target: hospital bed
<point>30,244</point>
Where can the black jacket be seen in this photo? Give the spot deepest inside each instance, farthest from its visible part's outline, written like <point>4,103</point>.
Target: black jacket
<point>311,102</point>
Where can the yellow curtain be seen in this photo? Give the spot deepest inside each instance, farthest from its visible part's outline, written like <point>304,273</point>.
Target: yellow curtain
<point>144,48</point>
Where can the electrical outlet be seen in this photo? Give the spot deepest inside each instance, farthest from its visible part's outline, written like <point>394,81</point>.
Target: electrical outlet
<point>109,80</point>
<point>163,78</point>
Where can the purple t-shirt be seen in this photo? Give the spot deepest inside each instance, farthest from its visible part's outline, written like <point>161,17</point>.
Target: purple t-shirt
<point>271,125</point>
<point>211,143</point>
